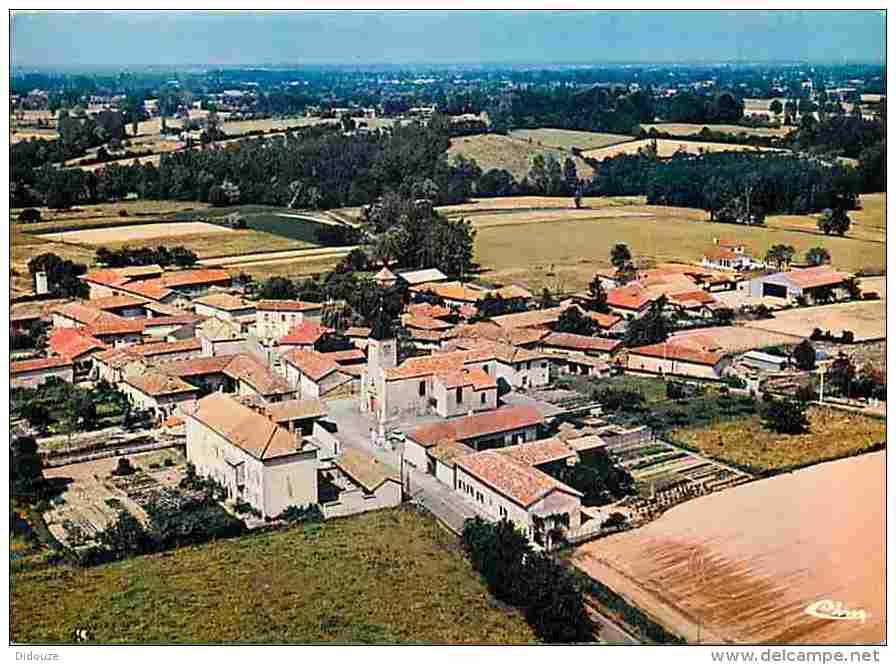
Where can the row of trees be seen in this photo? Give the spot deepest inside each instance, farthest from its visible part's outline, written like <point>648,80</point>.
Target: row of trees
<point>162,255</point>
<point>545,591</point>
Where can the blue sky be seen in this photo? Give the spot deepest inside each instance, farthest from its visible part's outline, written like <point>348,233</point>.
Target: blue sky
<point>441,37</point>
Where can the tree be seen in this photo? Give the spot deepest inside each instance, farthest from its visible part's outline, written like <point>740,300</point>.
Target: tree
<point>29,215</point>
<point>277,288</point>
<point>597,295</point>
<point>785,416</point>
<point>775,107</point>
<point>26,476</point>
<point>780,255</point>
<point>126,537</point>
<point>817,256</point>
<point>834,221</point>
<point>841,374</point>
<point>853,287</point>
<point>620,255</point>
<point>347,122</point>
<point>804,356</point>
<point>650,328</point>
<point>572,321</point>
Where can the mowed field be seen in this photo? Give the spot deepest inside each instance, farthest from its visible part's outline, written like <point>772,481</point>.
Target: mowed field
<point>565,246</point>
<point>684,129</point>
<point>134,232</point>
<point>568,138</point>
<point>833,433</point>
<point>725,568</point>
<point>666,148</point>
<point>392,576</point>
<point>492,151</point>
<point>866,319</point>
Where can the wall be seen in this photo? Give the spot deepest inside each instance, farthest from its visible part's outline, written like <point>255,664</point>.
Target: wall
<point>445,473</point>
<point>355,501</point>
<point>163,405</point>
<point>289,481</point>
<point>448,406</point>
<point>491,502</point>
<point>270,324</point>
<point>35,378</point>
<point>224,315</point>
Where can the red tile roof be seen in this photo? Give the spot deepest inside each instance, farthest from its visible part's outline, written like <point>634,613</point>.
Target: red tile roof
<point>426,309</point>
<point>680,352</point>
<point>247,368</point>
<point>312,364</point>
<point>36,364</point>
<point>160,348</point>
<point>287,305</point>
<point>630,296</point>
<point>539,452</point>
<point>581,342</point>
<point>721,253</point>
<point>304,333</point>
<point>198,366</point>
<point>505,419</point>
<point>156,384</point>
<point>436,363</point>
<point>116,302</point>
<point>519,482</point>
<point>809,278</point>
<point>348,356</point>
<point>697,296</point>
<point>72,343</point>
<point>223,301</point>
<point>424,322</point>
<point>474,377</point>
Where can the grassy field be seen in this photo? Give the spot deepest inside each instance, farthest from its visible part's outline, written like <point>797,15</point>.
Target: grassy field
<point>666,148</point>
<point>390,577</point>
<point>567,138</point>
<point>744,441</point>
<point>565,251</point>
<point>684,129</point>
<point>503,152</point>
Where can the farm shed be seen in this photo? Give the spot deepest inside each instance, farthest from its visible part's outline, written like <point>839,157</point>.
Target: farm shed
<point>763,361</point>
<point>808,283</point>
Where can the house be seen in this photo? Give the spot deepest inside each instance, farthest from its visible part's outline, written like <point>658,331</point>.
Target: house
<point>631,300</point>
<point>77,346</point>
<point>113,365</point>
<point>255,459</point>
<point>223,306</point>
<point>358,336</point>
<point>363,484</point>
<point>275,318</point>
<point>296,415</point>
<point>527,338</point>
<point>520,367</point>
<point>129,307</point>
<point>109,328</point>
<point>809,283</point>
<point>697,303</point>
<point>579,364</point>
<point>171,326</point>
<point>241,374</point>
<point>462,391</point>
<point>491,429</point>
<point>313,374</point>
<point>161,393</point>
<point>160,352</point>
<point>425,309</point>
<point>304,335</point>
<point>32,373</point>
<point>153,284</point>
<point>543,508</point>
<point>425,276</point>
<point>581,345</point>
<point>219,337</point>
<point>727,255</point>
<point>679,357</point>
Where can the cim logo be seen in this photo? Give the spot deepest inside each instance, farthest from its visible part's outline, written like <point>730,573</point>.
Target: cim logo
<point>835,610</point>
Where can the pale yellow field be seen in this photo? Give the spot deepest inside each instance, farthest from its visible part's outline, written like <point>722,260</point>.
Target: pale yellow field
<point>492,151</point>
<point>684,129</point>
<point>667,148</point>
<point>866,319</point>
<point>521,203</point>
<point>567,138</point>
<point>124,234</point>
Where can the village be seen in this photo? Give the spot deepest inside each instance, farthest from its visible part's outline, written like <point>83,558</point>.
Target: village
<point>480,418</point>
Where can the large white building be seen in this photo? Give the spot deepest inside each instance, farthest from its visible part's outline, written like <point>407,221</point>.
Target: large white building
<point>254,458</point>
<point>275,318</point>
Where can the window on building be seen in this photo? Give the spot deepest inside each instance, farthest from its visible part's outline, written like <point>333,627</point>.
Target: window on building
<point>459,395</point>
<point>422,388</point>
<point>482,398</point>
<point>503,511</point>
<point>485,368</point>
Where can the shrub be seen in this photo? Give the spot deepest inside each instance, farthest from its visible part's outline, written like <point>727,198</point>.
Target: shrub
<point>168,462</point>
<point>297,514</point>
<point>785,416</point>
<point>122,213</point>
<point>246,508</point>
<point>847,337</point>
<point>29,216</point>
<point>615,519</point>
<point>124,467</point>
<point>125,537</point>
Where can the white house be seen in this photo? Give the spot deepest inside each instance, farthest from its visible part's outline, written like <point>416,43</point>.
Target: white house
<point>254,458</point>
<point>275,318</point>
<point>727,255</point>
<point>364,484</point>
<point>161,393</point>
<point>223,306</point>
<point>504,488</point>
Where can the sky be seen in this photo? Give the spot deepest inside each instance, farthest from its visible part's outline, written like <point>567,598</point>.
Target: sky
<point>74,39</point>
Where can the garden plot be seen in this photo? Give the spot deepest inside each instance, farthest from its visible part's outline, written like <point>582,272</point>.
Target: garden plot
<point>665,476</point>
<point>92,498</point>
